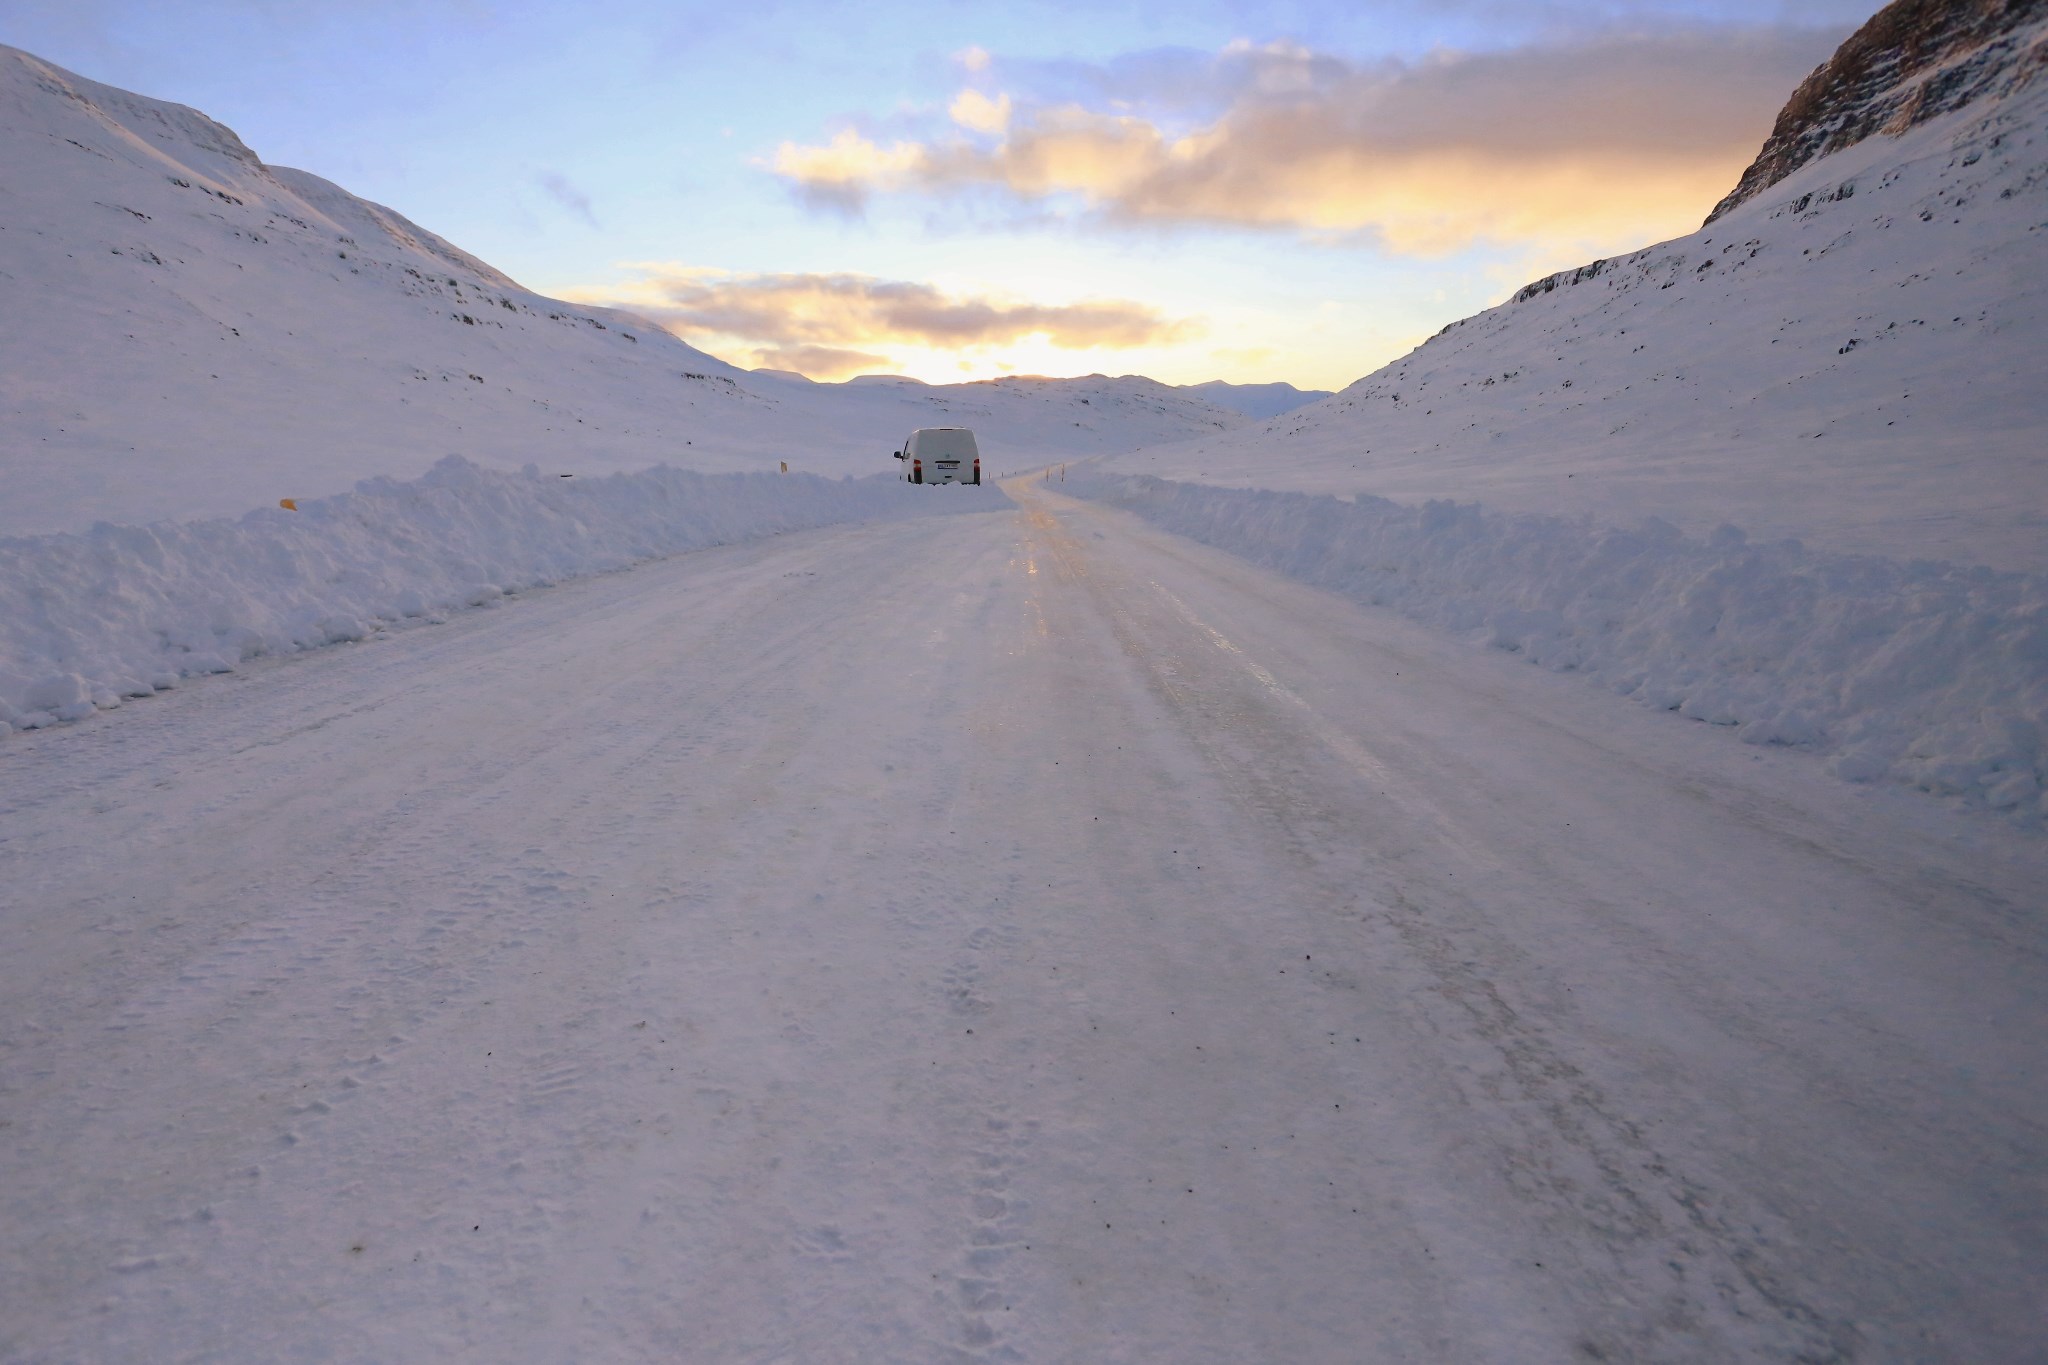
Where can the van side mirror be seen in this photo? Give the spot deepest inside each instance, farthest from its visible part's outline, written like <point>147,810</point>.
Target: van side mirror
<point>897,453</point>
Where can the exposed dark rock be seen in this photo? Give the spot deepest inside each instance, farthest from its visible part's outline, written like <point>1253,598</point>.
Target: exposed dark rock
<point>1563,278</point>
<point>1914,60</point>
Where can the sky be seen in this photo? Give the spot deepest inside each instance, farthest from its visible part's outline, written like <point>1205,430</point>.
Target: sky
<point>1252,192</point>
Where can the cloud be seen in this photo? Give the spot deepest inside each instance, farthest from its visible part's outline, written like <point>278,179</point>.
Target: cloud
<point>1603,139</point>
<point>567,195</point>
<point>829,325</point>
<point>840,175</point>
<point>819,362</point>
<point>973,110</point>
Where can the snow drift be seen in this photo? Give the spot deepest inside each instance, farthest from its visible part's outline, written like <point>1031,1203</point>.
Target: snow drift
<point>1927,673</point>
<point>89,618</point>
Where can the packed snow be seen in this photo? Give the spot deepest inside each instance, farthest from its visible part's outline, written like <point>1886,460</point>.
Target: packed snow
<point>968,939</point>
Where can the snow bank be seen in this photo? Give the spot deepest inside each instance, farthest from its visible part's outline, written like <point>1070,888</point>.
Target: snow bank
<point>123,611</point>
<point>1927,673</point>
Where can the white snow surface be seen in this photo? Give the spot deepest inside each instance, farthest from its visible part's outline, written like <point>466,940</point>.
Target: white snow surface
<point>1019,937</point>
<point>192,333</point>
<point>881,935</point>
<point>1855,358</point>
<point>1787,475</point>
<point>116,612</point>
<point>1927,673</point>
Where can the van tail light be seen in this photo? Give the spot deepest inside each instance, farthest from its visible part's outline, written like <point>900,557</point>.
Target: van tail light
<point>977,469</point>
<point>917,471</point>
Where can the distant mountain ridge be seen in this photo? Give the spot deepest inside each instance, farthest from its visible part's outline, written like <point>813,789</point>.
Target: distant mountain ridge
<point>1913,61</point>
<point>1255,400</point>
<point>1251,400</point>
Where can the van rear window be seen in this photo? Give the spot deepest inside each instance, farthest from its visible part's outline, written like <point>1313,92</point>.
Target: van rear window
<point>944,445</point>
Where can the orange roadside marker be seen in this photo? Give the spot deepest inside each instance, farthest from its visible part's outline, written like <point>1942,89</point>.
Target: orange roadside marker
<point>288,504</point>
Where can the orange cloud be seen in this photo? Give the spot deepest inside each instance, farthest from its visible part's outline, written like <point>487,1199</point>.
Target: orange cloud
<point>1599,143</point>
<point>972,109</point>
<point>829,326</point>
<point>840,174</point>
<point>818,362</point>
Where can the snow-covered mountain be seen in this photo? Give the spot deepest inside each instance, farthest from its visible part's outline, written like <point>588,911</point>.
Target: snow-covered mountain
<point>1255,400</point>
<point>1849,352</point>
<point>191,332</point>
<point>1912,62</point>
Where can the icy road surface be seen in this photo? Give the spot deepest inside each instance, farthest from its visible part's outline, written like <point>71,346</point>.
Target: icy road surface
<point>1022,936</point>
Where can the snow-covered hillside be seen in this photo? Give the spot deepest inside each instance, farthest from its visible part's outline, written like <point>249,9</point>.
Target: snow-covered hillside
<point>1853,355</point>
<point>1787,475</point>
<point>190,332</point>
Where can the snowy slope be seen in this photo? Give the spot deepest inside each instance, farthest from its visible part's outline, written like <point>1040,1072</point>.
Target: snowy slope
<point>193,333</point>
<point>1853,356</point>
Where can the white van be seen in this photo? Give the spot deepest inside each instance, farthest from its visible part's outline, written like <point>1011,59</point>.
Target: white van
<point>941,455</point>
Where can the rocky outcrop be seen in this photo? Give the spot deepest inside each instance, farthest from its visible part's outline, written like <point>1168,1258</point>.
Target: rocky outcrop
<point>1914,60</point>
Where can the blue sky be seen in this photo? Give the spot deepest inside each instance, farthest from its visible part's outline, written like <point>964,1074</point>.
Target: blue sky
<point>1193,191</point>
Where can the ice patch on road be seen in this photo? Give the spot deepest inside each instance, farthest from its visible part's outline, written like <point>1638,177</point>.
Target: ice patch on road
<point>1932,674</point>
<point>88,619</point>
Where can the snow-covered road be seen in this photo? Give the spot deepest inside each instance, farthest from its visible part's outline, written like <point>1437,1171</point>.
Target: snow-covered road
<point>1019,936</point>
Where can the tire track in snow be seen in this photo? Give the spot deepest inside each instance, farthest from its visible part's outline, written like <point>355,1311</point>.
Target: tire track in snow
<point>1665,1263</point>
<point>683,890</point>
<point>978,1294</point>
